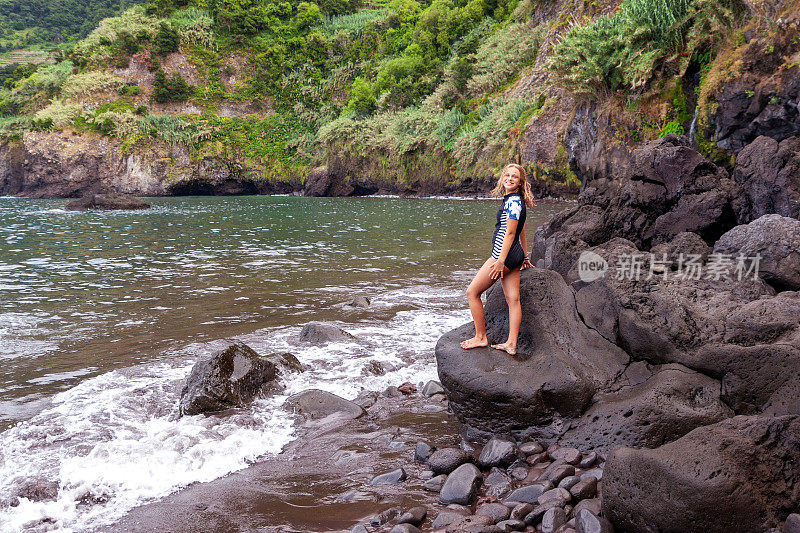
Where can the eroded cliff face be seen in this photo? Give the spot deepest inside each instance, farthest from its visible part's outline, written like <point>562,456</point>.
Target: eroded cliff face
<point>67,165</point>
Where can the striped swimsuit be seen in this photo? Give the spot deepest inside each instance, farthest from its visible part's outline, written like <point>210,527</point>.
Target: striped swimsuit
<point>513,207</point>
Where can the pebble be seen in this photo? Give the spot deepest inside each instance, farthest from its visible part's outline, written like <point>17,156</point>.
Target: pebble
<point>530,493</point>
<point>384,517</point>
<point>534,516</point>
<point>530,448</point>
<point>497,452</point>
<point>553,519</point>
<point>461,485</point>
<point>432,387</point>
<point>470,523</point>
<point>585,488</point>
<point>499,484</point>
<point>520,511</point>
<point>518,470</point>
<point>423,451</point>
<point>435,483</point>
<point>558,495</point>
<point>511,525</point>
<point>596,472</point>
<point>445,518</point>
<point>588,460</point>
<point>556,472</point>
<point>569,482</point>
<point>496,511</point>
<point>587,522</point>
<point>407,388</point>
<point>792,524</point>
<point>568,455</point>
<point>404,528</point>
<point>359,528</point>
<point>536,459</point>
<point>445,460</point>
<point>392,392</point>
<point>592,504</point>
<point>413,516</point>
<point>390,478</point>
<point>425,475</point>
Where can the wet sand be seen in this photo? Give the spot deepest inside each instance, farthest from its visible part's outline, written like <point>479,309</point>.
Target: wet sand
<point>319,482</point>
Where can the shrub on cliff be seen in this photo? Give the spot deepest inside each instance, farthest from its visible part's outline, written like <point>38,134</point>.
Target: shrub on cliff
<point>59,114</point>
<point>90,84</point>
<point>170,89</point>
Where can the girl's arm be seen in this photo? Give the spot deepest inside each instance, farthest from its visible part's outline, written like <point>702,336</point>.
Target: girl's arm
<point>496,270</point>
<point>524,242</point>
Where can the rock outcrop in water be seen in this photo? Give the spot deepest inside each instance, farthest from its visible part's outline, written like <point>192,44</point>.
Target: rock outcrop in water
<point>661,353</point>
<point>232,377</point>
<point>106,202</point>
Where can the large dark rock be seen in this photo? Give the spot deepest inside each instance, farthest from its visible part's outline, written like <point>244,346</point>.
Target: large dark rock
<point>461,485</point>
<point>106,202</point>
<point>231,377</point>
<point>768,174</point>
<point>776,239</point>
<point>560,364</point>
<point>665,407</point>
<point>315,404</point>
<point>739,475</point>
<point>445,460</point>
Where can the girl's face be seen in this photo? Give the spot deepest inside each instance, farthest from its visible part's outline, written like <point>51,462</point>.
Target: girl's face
<point>511,179</point>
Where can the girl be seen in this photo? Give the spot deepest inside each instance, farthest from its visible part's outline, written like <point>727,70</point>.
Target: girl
<point>509,256</point>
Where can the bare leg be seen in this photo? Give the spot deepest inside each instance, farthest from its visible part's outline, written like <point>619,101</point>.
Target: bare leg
<point>510,283</point>
<point>479,284</point>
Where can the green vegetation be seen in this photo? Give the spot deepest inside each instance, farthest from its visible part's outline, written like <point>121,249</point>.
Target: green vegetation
<point>405,89</point>
<point>49,22</point>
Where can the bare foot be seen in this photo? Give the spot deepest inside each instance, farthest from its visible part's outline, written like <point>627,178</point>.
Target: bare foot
<point>509,348</point>
<point>475,342</point>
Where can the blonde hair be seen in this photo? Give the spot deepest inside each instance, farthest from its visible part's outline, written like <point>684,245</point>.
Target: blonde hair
<point>524,186</point>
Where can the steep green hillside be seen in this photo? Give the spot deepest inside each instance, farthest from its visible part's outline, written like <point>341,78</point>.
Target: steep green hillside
<point>402,90</point>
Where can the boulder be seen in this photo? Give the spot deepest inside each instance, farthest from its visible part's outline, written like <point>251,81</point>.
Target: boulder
<point>560,363</point>
<point>738,475</point>
<point>389,478</point>
<point>106,202</point>
<point>530,493</point>
<point>320,333</point>
<point>315,404</point>
<point>414,516</point>
<point>665,407</point>
<point>232,377</point>
<point>432,387</point>
<point>773,237</point>
<point>588,522</point>
<point>496,511</point>
<point>360,301</point>
<point>461,485</point>
<point>768,175</point>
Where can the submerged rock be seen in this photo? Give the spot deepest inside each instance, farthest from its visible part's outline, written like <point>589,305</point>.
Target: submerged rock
<point>232,377</point>
<point>320,333</point>
<point>106,202</point>
<point>315,404</point>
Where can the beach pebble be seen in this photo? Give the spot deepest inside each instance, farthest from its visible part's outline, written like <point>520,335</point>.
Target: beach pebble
<point>792,524</point>
<point>447,517</point>
<point>536,515</point>
<point>392,392</point>
<point>592,504</point>
<point>596,472</point>
<point>556,472</point>
<point>507,526</point>
<point>553,519</point>
<point>569,482</point>
<point>384,517</point>
<point>413,516</point>
<point>469,524</point>
<point>521,510</point>
<point>359,528</point>
<point>404,528</point>
<point>588,460</point>
<point>389,478</point>
<point>585,488</point>
<point>498,482</point>
<point>495,511</point>
<point>558,495</point>
<point>518,472</point>
<point>435,483</point>
<point>497,452</point>
<point>320,333</point>
<point>432,387</point>
<point>530,493</point>
<point>587,522</point>
<point>407,388</point>
<point>445,460</point>
<point>366,398</point>
<point>530,448</point>
<point>425,475</point>
<point>461,485</point>
<point>570,456</point>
